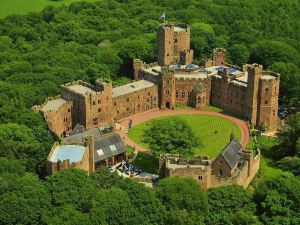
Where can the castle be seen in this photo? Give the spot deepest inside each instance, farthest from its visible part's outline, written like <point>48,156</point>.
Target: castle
<point>249,92</point>
<point>234,165</point>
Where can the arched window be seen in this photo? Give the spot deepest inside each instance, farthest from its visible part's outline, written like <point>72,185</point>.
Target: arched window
<point>199,99</point>
<point>183,94</point>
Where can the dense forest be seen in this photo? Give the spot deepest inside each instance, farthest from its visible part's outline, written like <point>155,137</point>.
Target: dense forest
<point>40,51</point>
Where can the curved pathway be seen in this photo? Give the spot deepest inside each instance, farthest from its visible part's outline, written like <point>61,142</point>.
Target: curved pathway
<point>121,127</point>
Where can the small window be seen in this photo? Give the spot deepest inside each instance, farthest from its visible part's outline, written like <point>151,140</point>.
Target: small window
<point>127,109</point>
<point>155,98</point>
<point>199,99</point>
<point>175,40</point>
<point>118,112</point>
<point>200,177</point>
<point>167,91</point>
<point>69,110</point>
<point>115,104</point>
<point>127,99</point>
<point>266,102</point>
<point>274,113</point>
<point>176,94</point>
<point>138,97</point>
<point>183,94</point>
<point>168,54</point>
<point>94,103</point>
<point>99,110</point>
<point>139,105</point>
<point>267,89</point>
<point>149,93</point>
<point>107,98</point>
<point>189,94</point>
<point>99,101</point>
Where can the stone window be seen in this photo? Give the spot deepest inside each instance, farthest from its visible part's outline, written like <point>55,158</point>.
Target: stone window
<point>117,112</point>
<point>167,91</point>
<point>266,102</point>
<point>168,81</point>
<point>95,121</point>
<point>175,40</point>
<point>183,94</point>
<point>139,105</point>
<point>138,97</point>
<point>189,94</point>
<point>99,110</point>
<point>176,94</point>
<point>200,177</point>
<point>274,113</point>
<point>168,54</point>
<point>267,89</point>
<point>199,99</point>
<point>94,103</point>
<point>127,99</point>
<point>149,93</point>
<point>127,109</point>
<point>69,110</point>
<point>107,98</point>
<point>99,101</point>
<point>155,98</point>
<point>115,104</point>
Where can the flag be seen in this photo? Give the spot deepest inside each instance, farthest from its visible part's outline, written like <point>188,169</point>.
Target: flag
<point>163,16</point>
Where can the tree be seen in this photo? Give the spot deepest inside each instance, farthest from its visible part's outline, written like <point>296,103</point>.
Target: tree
<point>171,135</point>
<point>278,200</point>
<point>19,142</point>
<point>25,200</point>
<point>115,204</point>
<point>71,187</point>
<point>289,135</point>
<point>144,201</point>
<point>105,179</point>
<point>290,164</point>
<point>239,54</point>
<point>182,193</point>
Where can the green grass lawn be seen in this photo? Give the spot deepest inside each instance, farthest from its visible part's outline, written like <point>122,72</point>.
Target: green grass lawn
<point>204,127</point>
<point>8,7</point>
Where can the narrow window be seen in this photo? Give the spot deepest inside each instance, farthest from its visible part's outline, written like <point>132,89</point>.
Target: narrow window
<point>266,102</point>
<point>99,110</point>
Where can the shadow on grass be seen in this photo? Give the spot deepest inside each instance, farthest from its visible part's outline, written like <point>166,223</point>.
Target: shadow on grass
<point>147,163</point>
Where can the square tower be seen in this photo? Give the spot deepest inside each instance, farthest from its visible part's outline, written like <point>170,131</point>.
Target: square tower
<point>174,44</point>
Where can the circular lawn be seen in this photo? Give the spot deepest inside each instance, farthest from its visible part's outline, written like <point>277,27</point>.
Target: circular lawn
<point>213,132</point>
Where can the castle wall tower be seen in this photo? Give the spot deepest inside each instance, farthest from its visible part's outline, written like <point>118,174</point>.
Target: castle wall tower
<point>89,141</point>
<point>174,44</point>
<point>254,72</point>
<point>168,97</point>
<point>267,117</point>
<point>219,56</point>
<point>137,67</point>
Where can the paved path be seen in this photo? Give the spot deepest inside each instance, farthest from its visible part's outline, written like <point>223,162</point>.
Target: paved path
<point>140,118</point>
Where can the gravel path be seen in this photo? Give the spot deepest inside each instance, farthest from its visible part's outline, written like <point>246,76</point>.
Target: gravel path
<point>140,118</point>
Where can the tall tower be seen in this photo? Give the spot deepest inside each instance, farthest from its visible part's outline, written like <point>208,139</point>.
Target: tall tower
<point>268,92</point>
<point>254,73</point>
<point>219,56</point>
<point>167,89</point>
<point>174,44</point>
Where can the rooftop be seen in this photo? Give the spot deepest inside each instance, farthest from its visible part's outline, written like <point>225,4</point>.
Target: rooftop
<point>53,105</point>
<point>177,29</point>
<point>105,146</point>
<point>72,152</point>
<point>131,87</point>
<point>230,153</point>
<point>81,89</point>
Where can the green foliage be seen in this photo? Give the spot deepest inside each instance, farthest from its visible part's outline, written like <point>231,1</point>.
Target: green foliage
<point>289,135</point>
<point>239,54</point>
<point>105,179</point>
<point>19,142</point>
<point>291,164</point>
<point>71,186</point>
<point>147,162</point>
<point>25,200</point>
<point>171,135</point>
<point>212,131</point>
<point>278,200</point>
<point>182,193</point>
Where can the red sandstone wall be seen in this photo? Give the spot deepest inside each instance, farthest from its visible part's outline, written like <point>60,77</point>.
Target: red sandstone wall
<point>60,121</point>
<point>136,102</point>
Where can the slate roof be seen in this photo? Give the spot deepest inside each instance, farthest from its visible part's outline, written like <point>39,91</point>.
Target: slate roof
<point>230,153</point>
<point>108,146</point>
<point>105,146</point>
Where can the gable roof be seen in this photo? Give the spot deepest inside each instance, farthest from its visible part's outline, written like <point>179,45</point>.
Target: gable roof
<point>230,153</point>
<point>105,146</point>
<point>108,146</point>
